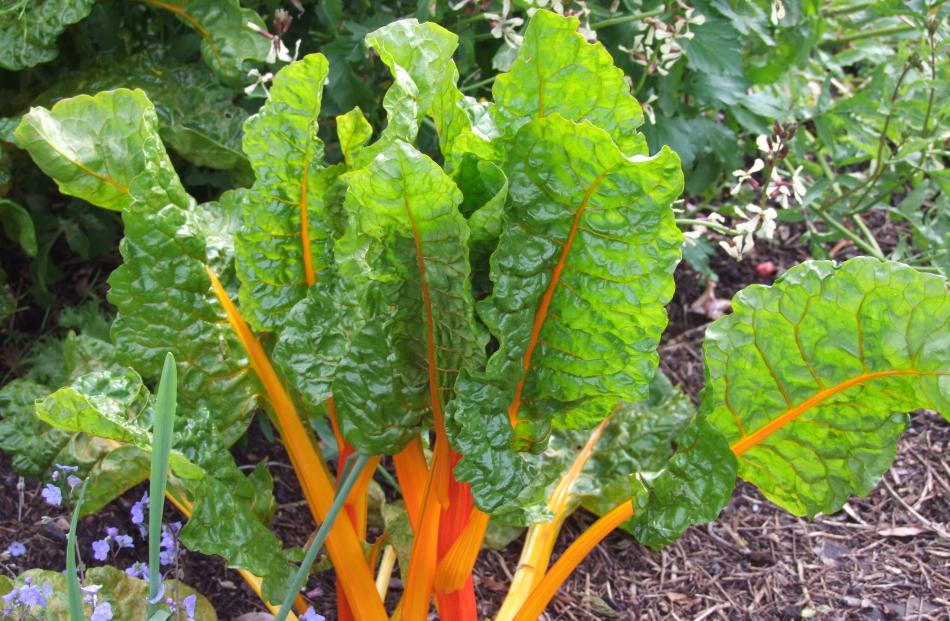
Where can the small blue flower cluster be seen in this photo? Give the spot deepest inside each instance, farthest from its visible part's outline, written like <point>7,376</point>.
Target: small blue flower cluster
<point>101,610</point>
<point>311,615</point>
<point>23,598</point>
<point>102,547</point>
<point>53,492</point>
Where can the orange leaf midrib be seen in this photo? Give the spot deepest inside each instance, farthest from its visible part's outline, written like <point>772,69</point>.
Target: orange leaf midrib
<point>757,437</point>
<point>192,20</point>
<point>542,312</point>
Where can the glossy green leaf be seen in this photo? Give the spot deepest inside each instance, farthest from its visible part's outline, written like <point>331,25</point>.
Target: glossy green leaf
<point>485,190</point>
<point>558,71</point>
<point>809,379</point>
<point>109,405</point>
<point>93,147</point>
<point>405,260</point>
<point>30,444</point>
<point>18,226</point>
<point>29,29</point>
<point>426,83</point>
<point>197,116</point>
<point>692,488</point>
<point>581,275</point>
<point>285,243</point>
<point>353,132</point>
<point>228,44</point>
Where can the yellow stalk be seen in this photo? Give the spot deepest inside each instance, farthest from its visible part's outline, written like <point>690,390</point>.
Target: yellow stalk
<point>541,537</point>
<point>384,577</point>
<point>318,487</point>
<point>542,594</point>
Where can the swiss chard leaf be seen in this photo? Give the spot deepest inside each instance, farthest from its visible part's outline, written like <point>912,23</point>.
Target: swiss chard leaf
<point>28,30</point>
<point>227,42</point>
<point>581,275</point>
<point>809,379</point>
<point>285,243</point>
<point>18,226</point>
<point>107,150</point>
<point>558,71</point>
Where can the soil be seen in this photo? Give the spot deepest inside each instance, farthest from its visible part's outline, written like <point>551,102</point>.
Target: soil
<point>883,557</point>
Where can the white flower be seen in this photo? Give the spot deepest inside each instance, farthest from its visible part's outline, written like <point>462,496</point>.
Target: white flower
<point>768,145</point>
<point>744,175</point>
<point>259,80</point>
<point>778,11</point>
<point>648,109</point>
<point>741,244</point>
<point>798,187</point>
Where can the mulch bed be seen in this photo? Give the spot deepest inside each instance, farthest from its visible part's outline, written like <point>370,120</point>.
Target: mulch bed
<point>884,557</point>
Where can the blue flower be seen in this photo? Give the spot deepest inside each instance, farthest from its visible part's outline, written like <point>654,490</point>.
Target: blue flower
<point>123,541</point>
<point>189,604</point>
<point>67,468</point>
<point>102,612</point>
<point>138,569</point>
<point>138,509</point>
<point>100,549</point>
<point>16,549</point>
<point>311,615</point>
<point>52,495</point>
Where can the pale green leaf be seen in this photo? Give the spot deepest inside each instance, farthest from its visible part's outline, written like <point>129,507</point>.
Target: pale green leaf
<point>809,379</point>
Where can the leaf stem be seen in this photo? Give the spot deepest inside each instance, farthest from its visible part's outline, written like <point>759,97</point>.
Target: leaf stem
<point>626,19</point>
<point>476,85</point>
<point>868,34</point>
<point>74,588</point>
<point>304,570</point>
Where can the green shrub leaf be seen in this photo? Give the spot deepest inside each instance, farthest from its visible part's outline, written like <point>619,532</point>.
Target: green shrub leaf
<point>28,30</point>
<point>809,379</point>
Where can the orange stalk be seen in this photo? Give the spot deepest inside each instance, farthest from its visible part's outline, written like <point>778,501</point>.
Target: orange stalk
<point>458,562</point>
<point>318,488</point>
<point>542,594</point>
<point>412,471</point>
<point>425,547</point>
<point>253,581</point>
<point>541,537</point>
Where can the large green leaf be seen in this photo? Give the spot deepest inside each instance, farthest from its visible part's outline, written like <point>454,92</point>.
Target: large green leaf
<point>402,315</point>
<point>30,444</point>
<point>227,43</point>
<point>426,83</point>
<point>93,147</point>
<point>581,275</point>
<point>558,71</point>
<point>197,115</point>
<point>285,243</point>
<point>809,379</point>
<point>29,29</point>
<point>110,405</point>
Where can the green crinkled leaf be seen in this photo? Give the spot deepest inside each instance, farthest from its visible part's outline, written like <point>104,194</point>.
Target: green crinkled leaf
<point>30,444</point>
<point>353,132</point>
<point>285,244</point>
<point>808,379</point>
<point>221,525</point>
<point>110,405</point>
<point>197,116</point>
<point>405,259</point>
<point>426,83</point>
<point>558,71</point>
<point>93,147</point>
<point>28,30</point>
<point>227,43</point>
<point>485,190</point>
<point>581,275</point>
<point>18,226</point>
<point>692,488</point>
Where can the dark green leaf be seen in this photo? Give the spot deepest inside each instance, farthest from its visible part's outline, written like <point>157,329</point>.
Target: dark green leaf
<point>29,29</point>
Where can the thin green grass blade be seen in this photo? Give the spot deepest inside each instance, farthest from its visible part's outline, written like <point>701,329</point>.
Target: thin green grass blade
<point>73,587</point>
<point>162,427</point>
<point>344,490</point>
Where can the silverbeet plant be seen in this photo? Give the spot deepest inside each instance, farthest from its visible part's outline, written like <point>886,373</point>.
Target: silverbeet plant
<point>487,317</point>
